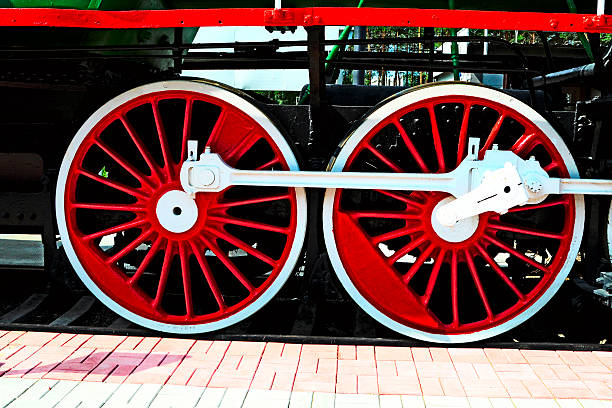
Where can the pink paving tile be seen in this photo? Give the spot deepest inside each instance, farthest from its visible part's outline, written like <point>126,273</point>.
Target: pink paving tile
<point>274,377</point>
<point>421,354</point>
<point>404,368</point>
<point>544,372</point>
<point>452,387</point>
<point>603,356</point>
<point>322,365</point>
<point>347,353</point>
<point>399,385</point>
<point>321,382</point>
<point>238,367</point>
<point>83,360</point>
<point>516,388</point>
<point>431,387</point>
<point>504,356</point>
<point>9,337</point>
<point>568,389</point>
<point>319,351</point>
<point>281,353</point>
<point>435,370</point>
<point>367,384</point>
<point>466,371</point>
<point>77,341</point>
<point>173,346</point>
<point>515,372</point>
<point>200,377</point>
<point>39,363</point>
<point>440,355</point>
<point>245,348</point>
<point>393,353</point>
<point>11,356</point>
<point>34,339</point>
<point>485,371</point>
<point>537,389</point>
<point>105,342</point>
<point>468,355</point>
<point>365,367</point>
<point>600,389</point>
<point>563,372</point>
<point>541,357</point>
<point>346,384</point>
<point>155,368</point>
<point>60,340</point>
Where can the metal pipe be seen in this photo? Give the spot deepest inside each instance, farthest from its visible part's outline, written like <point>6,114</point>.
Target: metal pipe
<point>601,7</point>
<point>584,71</point>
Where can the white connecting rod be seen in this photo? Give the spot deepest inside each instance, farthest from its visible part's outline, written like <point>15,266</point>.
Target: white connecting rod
<point>500,181</point>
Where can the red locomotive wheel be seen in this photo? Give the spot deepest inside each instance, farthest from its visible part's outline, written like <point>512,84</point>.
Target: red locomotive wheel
<point>480,278</point>
<point>147,249</point>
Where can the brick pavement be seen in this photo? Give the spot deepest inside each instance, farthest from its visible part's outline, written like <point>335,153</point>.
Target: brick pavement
<point>348,375</point>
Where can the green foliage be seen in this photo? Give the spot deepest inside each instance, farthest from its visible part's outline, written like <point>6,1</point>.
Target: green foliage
<point>281,97</point>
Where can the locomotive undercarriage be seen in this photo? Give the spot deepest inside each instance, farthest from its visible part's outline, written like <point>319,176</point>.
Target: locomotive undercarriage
<point>229,250</point>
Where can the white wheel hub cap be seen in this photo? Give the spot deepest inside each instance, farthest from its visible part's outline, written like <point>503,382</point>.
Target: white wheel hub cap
<point>459,232</point>
<point>176,211</point>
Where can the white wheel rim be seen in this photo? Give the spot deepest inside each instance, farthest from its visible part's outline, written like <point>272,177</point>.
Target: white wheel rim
<point>255,114</point>
<point>392,106</point>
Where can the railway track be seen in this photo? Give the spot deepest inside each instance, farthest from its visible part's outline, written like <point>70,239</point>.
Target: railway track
<point>30,303</point>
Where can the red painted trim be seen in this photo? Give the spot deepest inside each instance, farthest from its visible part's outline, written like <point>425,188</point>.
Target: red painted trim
<point>497,20</point>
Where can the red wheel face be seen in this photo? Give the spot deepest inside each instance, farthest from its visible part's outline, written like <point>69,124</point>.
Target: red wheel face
<point>148,246</point>
<point>422,277</point>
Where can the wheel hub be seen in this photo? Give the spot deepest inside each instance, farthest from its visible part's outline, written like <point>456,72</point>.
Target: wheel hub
<point>176,211</point>
<point>460,231</point>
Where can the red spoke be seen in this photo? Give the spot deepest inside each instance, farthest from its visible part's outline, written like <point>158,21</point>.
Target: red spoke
<point>525,144</point>
<point>216,131</point>
<point>250,224</point>
<point>113,184</point>
<point>525,231</point>
<point>146,260</point>
<point>385,160</point>
<point>113,230</point>
<point>400,197</point>
<point>463,133</point>
<point>141,147</point>
<point>412,245</point>
<point>163,140</point>
<point>454,289</point>
<point>538,206</point>
<point>394,234</point>
<point>108,207</point>
<point>551,166</point>
<point>185,271</point>
<point>163,277</point>
<point>125,164</point>
<point>517,254</point>
<point>244,246</point>
<point>431,284</point>
<point>499,272</point>
<point>269,164</point>
<point>250,201</point>
<point>436,137</point>
<point>492,135</point>
<point>476,279</point>
<point>417,264</point>
<point>415,153</point>
<point>401,215</point>
<point>129,248</point>
<point>186,129</point>
<point>212,283</point>
<point>214,248</point>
